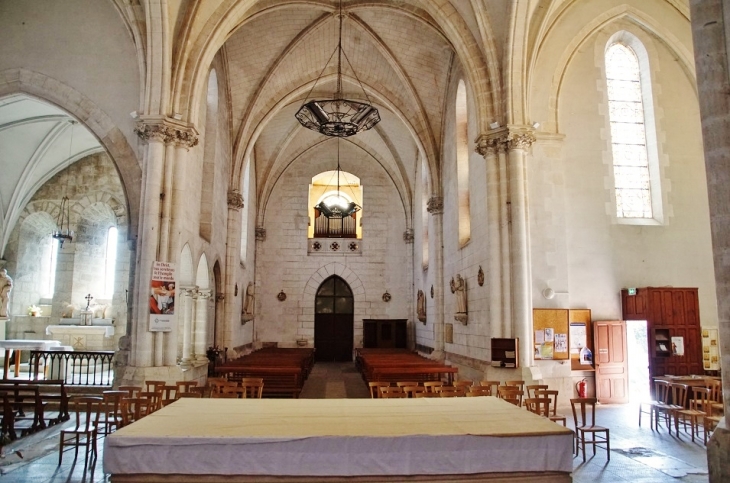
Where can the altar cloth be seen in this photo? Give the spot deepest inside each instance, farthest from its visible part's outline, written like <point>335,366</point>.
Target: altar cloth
<point>339,437</point>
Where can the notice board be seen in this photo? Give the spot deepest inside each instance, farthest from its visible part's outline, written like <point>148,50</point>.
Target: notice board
<point>550,328</point>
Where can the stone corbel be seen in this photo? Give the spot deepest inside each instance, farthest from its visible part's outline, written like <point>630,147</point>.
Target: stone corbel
<point>235,200</point>
<point>260,233</point>
<point>435,205</point>
<point>408,235</point>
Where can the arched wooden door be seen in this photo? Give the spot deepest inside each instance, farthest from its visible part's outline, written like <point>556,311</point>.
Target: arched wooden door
<point>334,320</point>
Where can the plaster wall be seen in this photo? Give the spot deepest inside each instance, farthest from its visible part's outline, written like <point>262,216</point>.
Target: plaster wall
<point>282,262</point>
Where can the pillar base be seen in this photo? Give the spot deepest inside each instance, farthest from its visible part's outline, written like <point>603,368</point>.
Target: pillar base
<point>718,448</point>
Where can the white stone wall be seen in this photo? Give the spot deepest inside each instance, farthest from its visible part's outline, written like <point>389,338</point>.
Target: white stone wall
<point>282,262</point>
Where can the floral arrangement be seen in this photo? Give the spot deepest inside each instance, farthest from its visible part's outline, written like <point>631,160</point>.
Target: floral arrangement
<point>34,310</point>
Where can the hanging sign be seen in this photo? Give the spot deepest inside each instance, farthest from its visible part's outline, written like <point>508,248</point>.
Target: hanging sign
<point>162,297</point>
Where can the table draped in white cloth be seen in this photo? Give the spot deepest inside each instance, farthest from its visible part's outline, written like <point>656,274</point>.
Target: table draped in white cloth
<point>339,437</point>
<point>23,345</point>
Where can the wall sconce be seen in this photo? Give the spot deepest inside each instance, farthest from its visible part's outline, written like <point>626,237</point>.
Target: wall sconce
<point>386,296</point>
<point>281,296</point>
<point>548,293</point>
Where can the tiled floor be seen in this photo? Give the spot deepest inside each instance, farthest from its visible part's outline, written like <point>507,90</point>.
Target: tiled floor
<point>638,455</point>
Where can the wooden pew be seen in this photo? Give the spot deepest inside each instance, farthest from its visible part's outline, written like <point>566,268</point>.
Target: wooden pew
<point>278,381</point>
<point>53,395</point>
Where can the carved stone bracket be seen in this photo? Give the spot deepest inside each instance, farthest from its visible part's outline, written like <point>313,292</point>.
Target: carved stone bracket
<point>166,130</point>
<point>260,233</point>
<point>435,205</point>
<point>408,235</point>
<point>505,139</point>
<point>235,200</point>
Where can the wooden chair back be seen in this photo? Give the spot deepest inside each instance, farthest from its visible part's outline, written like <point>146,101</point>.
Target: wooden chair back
<point>463,384</point>
<point>133,409</point>
<point>168,394</point>
<point>425,394</point>
<point>406,383</point>
<point>85,432</point>
<point>451,391</point>
<point>534,387</point>
<point>131,390</point>
<point>584,411</point>
<point>152,386</point>
<point>511,394</point>
<point>111,414</point>
<point>492,385</point>
<point>431,386</point>
<point>184,386</point>
<point>661,391</point>
<point>475,391</point>
<point>387,391</point>
<point>375,388</point>
<point>412,390</point>
<point>520,384</point>
<point>193,394</point>
<point>678,395</point>
<point>538,405</point>
<point>253,387</point>
<point>154,400</point>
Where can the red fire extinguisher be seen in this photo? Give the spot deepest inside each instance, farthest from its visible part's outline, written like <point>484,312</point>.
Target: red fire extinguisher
<point>581,387</point>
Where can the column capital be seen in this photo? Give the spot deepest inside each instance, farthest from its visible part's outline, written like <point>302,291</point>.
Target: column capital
<point>408,235</point>
<point>505,139</point>
<point>435,205</point>
<point>204,293</point>
<point>166,130</point>
<point>235,200</point>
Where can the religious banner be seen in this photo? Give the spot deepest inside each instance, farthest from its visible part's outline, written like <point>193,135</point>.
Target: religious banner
<point>162,297</point>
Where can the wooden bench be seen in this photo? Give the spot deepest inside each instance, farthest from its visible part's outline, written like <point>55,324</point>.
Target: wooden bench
<point>51,393</point>
<point>278,381</point>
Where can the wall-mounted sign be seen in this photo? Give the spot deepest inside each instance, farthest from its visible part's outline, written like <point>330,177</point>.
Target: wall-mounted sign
<point>162,297</point>
<point>632,291</point>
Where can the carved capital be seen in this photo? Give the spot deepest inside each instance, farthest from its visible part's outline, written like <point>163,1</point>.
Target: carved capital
<point>491,144</point>
<point>408,235</point>
<point>166,130</point>
<point>520,140</point>
<point>260,233</point>
<point>435,205</point>
<point>235,200</point>
<point>204,294</point>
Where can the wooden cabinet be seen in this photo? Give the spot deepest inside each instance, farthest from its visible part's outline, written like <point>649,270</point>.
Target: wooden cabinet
<point>505,352</point>
<point>385,333</point>
<point>669,312</point>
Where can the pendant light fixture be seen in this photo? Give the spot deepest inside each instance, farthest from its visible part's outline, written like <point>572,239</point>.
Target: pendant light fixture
<point>63,231</point>
<point>338,117</point>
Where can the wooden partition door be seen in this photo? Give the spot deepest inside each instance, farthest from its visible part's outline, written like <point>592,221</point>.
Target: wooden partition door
<point>334,321</point>
<point>611,361</point>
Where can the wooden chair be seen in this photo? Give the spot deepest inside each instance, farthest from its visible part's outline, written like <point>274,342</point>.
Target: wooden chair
<point>586,430</point>
<point>710,422</point>
<point>431,386</point>
<point>392,392</point>
<point>716,396</point>
<point>184,386</point>
<point>476,391</point>
<point>425,394</point>
<point>404,384</point>
<point>133,409</point>
<point>538,405</point>
<point>553,396</point>
<point>375,388</point>
<point>168,395</point>
<point>492,385</point>
<point>678,402</point>
<point>154,385</point>
<point>195,394</point>
<point>411,391</point>
<point>131,390</point>
<point>534,387</point>
<point>85,431</point>
<point>253,387</point>
<point>698,404</point>
<point>451,391</point>
<point>154,400</point>
<point>216,384</point>
<point>649,406</point>
<point>110,415</point>
<point>662,405</point>
<point>520,384</point>
<point>463,384</point>
<point>511,394</point>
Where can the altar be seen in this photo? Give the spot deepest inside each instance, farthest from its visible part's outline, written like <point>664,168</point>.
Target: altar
<point>20,345</point>
<point>83,337</point>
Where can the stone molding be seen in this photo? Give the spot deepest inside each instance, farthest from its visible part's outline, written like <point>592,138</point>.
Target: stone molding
<point>260,233</point>
<point>435,205</point>
<point>166,130</point>
<point>235,200</point>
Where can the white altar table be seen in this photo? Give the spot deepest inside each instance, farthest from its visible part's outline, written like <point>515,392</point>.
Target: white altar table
<point>297,440</point>
<point>18,345</point>
<point>83,337</point>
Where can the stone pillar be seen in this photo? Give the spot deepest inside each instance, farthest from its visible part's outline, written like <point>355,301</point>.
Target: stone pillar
<point>161,134</point>
<point>711,31</point>
<point>488,146</point>
<point>518,143</point>
<point>232,308</point>
<point>200,323</point>
<point>187,307</point>
<point>435,207</point>
<point>505,223</point>
<point>63,279</point>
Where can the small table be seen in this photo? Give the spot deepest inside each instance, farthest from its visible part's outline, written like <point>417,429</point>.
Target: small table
<point>18,345</point>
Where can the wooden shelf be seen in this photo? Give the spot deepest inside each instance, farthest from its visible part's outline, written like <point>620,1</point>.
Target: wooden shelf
<point>662,343</point>
<point>505,353</point>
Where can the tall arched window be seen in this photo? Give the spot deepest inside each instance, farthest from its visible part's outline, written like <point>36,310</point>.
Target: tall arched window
<point>48,267</point>
<point>462,164</point>
<point>244,211</point>
<point>110,262</point>
<point>210,142</point>
<point>633,137</point>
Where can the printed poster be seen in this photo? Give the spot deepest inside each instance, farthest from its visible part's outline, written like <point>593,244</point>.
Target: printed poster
<point>162,297</point>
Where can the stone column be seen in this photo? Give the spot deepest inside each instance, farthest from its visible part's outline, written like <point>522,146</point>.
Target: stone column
<point>232,308</point>
<point>505,224</point>
<point>710,30</point>
<point>187,307</point>
<point>487,146</point>
<point>518,143</point>
<point>149,236</point>
<point>200,323</point>
<point>435,207</point>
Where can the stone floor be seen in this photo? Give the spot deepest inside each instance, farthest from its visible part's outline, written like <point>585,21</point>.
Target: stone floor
<point>638,455</point>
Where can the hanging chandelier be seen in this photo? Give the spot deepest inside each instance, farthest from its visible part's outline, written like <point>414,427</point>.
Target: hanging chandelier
<point>338,117</point>
<point>63,231</point>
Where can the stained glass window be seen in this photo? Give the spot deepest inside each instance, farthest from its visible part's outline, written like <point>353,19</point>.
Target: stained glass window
<point>628,133</point>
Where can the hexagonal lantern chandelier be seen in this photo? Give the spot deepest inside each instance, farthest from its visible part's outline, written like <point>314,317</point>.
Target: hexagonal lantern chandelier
<point>338,117</point>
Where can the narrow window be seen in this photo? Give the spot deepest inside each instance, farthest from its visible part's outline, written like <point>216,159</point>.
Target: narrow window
<point>49,261</point>
<point>631,167</point>
<point>110,262</point>
<point>462,164</point>
<point>244,211</point>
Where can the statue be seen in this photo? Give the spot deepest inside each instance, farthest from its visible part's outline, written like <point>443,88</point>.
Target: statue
<point>248,304</point>
<point>458,286</point>
<point>421,306</point>
<point>6,285</point>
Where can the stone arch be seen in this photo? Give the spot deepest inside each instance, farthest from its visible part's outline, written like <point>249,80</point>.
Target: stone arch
<point>185,274</point>
<point>641,20</point>
<point>48,89</point>
<point>202,274</point>
<point>335,268</point>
